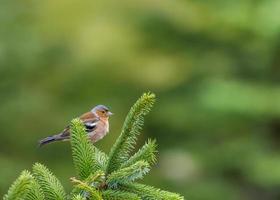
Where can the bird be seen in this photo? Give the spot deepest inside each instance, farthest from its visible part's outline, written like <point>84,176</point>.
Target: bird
<point>96,123</point>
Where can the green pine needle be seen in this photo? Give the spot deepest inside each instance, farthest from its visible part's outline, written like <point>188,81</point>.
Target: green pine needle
<point>87,158</point>
<point>147,153</point>
<point>78,197</point>
<point>25,187</point>
<point>20,188</point>
<point>102,177</point>
<point>36,192</point>
<point>131,128</point>
<point>50,185</point>
<point>128,174</point>
<point>87,189</point>
<point>119,195</point>
<point>150,193</point>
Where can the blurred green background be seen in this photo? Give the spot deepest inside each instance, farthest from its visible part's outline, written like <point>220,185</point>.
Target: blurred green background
<point>214,66</point>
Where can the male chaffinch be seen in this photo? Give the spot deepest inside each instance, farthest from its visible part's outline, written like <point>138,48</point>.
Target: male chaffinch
<point>96,125</point>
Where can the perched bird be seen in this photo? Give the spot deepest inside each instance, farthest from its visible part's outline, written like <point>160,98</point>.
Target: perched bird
<point>96,125</point>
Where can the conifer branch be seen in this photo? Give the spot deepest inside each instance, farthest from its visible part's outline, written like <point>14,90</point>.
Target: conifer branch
<point>93,181</point>
<point>101,159</point>
<point>128,174</point>
<point>147,152</point>
<point>131,128</point>
<point>102,177</point>
<point>50,185</point>
<point>92,192</point>
<point>87,158</point>
<point>78,197</point>
<point>20,187</point>
<point>119,195</point>
<point>35,192</point>
<point>150,193</point>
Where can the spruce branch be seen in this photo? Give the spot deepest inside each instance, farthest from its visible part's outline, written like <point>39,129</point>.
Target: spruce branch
<point>147,152</point>
<point>131,128</point>
<point>93,193</point>
<point>51,187</point>
<point>96,180</point>
<point>35,192</point>
<point>101,159</point>
<point>78,197</point>
<point>101,177</point>
<point>97,177</point>
<point>119,195</point>
<point>20,188</point>
<point>86,157</point>
<point>128,174</point>
<point>150,193</point>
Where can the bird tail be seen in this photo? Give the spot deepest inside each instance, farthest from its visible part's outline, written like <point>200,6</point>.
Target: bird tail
<point>50,139</point>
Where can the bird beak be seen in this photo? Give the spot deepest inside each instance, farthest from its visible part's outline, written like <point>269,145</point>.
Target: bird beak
<point>110,113</point>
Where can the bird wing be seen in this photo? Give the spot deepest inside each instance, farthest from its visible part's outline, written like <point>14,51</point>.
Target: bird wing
<point>90,121</point>
<point>88,116</point>
<point>91,125</point>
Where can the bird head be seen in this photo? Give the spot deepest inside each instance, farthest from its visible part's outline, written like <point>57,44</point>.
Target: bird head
<point>101,111</point>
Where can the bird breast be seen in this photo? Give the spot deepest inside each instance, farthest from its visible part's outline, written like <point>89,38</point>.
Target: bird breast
<point>101,130</point>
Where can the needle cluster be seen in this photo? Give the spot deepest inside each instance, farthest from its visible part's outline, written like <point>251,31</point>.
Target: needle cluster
<point>100,176</point>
